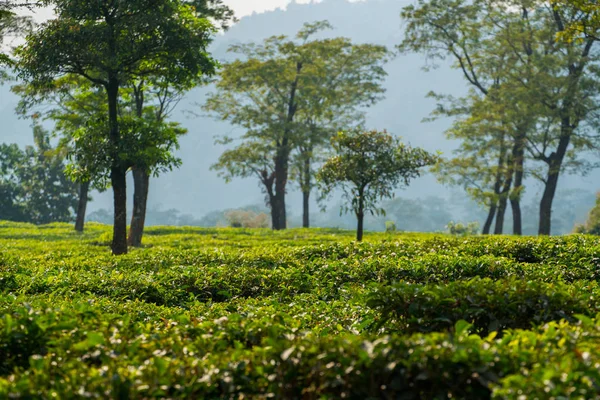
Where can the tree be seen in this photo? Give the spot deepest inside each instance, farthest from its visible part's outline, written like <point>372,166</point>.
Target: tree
<point>110,44</point>
<point>12,24</point>
<point>33,184</point>
<point>11,159</point>
<point>368,166</point>
<point>467,32</point>
<point>592,224</point>
<point>74,105</point>
<point>71,102</point>
<point>155,98</point>
<point>538,86</point>
<point>289,95</point>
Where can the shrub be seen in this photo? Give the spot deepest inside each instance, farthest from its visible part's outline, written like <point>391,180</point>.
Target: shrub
<point>247,219</point>
<point>390,226</point>
<point>492,306</point>
<point>460,229</point>
<point>592,224</point>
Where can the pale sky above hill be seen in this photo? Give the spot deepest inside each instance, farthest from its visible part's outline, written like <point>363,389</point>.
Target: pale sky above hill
<point>241,7</point>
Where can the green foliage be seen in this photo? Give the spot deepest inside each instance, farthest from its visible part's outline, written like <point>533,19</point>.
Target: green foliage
<point>33,183</point>
<point>247,219</point>
<point>368,167</point>
<point>531,96</point>
<point>290,96</point>
<point>390,226</point>
<point>230,313</point>
<point>114,45</point>
<point>460,229</point>
<point>490,306</point>
<point>592,225</point>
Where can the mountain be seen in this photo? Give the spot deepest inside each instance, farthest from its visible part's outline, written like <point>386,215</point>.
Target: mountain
<point>195,190</point>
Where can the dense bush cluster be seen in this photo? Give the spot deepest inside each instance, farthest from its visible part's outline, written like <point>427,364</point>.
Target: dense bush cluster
<point>241,313</point>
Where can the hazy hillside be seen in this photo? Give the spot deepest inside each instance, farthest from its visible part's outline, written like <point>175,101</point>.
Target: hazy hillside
<point>196,190</point>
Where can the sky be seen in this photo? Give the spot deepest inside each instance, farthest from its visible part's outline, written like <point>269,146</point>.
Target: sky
<point>241,7</point>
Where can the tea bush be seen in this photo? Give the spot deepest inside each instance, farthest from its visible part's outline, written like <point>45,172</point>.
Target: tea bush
<point>300,314</point>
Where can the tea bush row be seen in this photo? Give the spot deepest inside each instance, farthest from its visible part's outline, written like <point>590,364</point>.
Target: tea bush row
<point>122,359</point>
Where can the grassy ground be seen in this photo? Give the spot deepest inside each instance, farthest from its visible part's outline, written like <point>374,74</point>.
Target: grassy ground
<point>235,313</point>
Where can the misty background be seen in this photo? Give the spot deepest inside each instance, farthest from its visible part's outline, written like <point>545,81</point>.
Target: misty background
<point>195,195</point>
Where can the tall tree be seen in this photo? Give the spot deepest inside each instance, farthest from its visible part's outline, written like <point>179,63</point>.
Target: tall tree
<point>162,93</point>
<point>368,166</point>
<point>111,43</point>
<point>540,83</point>
<point>465,32</point>
<point>73,104</point>
<point>288,95</point>
<point>345,80</point>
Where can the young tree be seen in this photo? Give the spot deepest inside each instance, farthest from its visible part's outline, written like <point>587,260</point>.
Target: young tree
<point>286,95</point>
<point>110,44</point>
<point>368,166</point>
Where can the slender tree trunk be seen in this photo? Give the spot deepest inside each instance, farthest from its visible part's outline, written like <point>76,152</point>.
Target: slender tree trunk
<point>515,204</point>
<point>495,208</point>
<point>278,203</point>
<point>306,193</point>
<point>268,180</point>
<point>515,196</point>
<point>119,184</point>
<point>283,156</point>
<point>141,180</point>
<point>305,209</point>
<point>360,216</point>
<point>359,230</point>
<point>490,218</point>
<point>117,173</point>
<point>274,215</point>
<point>504,194</point>
<point>499,228</point>
<point>554,165</point>
<point>545,225</point>
<point>84,188</point>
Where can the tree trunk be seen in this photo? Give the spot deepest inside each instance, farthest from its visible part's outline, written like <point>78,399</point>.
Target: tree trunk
<point>360,216</point>
<point>119,184</point>
<point>499,228</point>
<point>515,204</point>
<point>281,175</point>
<point>490,218</point>
<point>84,188</point>
<point>274,214</point>
<point>306,193</point>
<point>359,229</point>
<point>515,196</point>
<point>494,208</point>
<point>545,225</point>
<point>268,180</point>
<point>141,180</point>
<point>283,155</point>
<point>554,165</point>
<point>118,171</point>
<point>305,209</point>
<point>504,194</point>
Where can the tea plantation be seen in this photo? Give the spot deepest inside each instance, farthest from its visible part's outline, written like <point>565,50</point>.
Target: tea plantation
<point>256,314</point>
